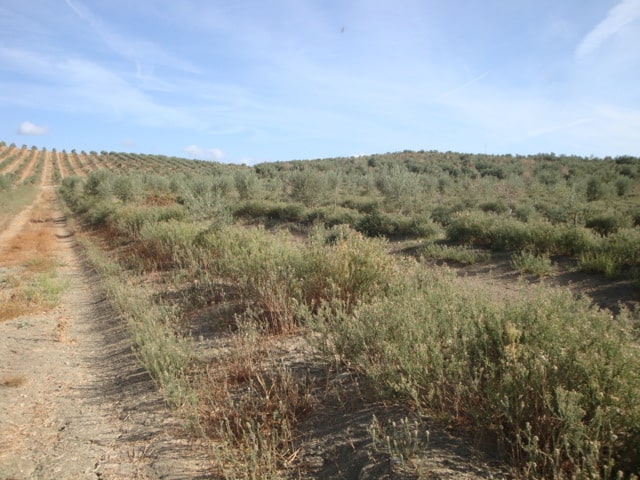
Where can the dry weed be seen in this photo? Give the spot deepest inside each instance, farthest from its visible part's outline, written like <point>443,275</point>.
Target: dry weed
<point>13,381</point>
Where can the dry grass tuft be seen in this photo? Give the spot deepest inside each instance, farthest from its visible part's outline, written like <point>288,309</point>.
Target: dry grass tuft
<point>13,307</point>
<point>13,381</point>
<point>61,330</point>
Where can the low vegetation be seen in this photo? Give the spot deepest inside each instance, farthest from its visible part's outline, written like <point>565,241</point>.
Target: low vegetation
<point>213,266</point>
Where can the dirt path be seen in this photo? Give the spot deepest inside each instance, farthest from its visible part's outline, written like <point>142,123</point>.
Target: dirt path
<point>75,165</point>
<point>17,160</point>
<point>74,404</point>
<point>61,167</point>
<point>31,166</point>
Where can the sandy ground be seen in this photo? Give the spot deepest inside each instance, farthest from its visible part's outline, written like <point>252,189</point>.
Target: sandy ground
<point>74,404</point>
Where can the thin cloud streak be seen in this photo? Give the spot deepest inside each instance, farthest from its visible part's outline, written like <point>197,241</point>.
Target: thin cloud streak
<point>90,87</point>
<point>559,128</point>
<point>131,48</point>
<point>461,87</point>
<point>624,13</point>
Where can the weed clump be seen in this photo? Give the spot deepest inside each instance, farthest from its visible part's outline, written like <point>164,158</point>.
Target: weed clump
<point>550,379</point>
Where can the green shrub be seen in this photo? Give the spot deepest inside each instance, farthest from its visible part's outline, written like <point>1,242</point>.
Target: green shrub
<point>396,225</point>
<point>265,210</point>
<point>169,242</point>
<point>99,214</point>
<point>343,266</point>
<point>277,277</point>
<point>455,253</point>
<point>260,264</point>
<point>6,182</point>
<point>98,184</point>
<point>362,205</point>
<point>604,224</point>
<point>333,216</point>
<point>615,255</point>
<point>496,206</point>
<point>523,212</point>
<point>573,240</point>
<point>595,189</point>
<point>553,379</point>
<point>130,219</point>
<point>528,262</point>
<point>624,186</point>
<point>248,184</point>
<point>470,227</point>
<point>445,214</point>
<point>309,187</point>
<point>123,189</point>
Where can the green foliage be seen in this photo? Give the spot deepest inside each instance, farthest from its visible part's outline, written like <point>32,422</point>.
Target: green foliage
<point>595,189</point>
<point>455,253</point>
<point>528,262</point>
<point>168,243</point>
<point>397,225</point>
<point>98,184</point>
<point>624,186</point>
<point>123,189</point>
<point>605,224</point>
<point>400,188</point>
<point>506,233</point>
<point>308,187</point>
<point>537,373</point>
<point>552,379</point>
<point>496,206</point>
<point>6,182</point>
<point>343,267</point>
<point>248,185</point>
<point>130,219</point>
<point>614,255</point>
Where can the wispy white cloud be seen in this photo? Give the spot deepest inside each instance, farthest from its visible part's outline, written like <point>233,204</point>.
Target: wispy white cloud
<point>200,153</point>
<point>559,127</point>
<point>28,128</point>
<point>85,86</point>
<point>141,52</point>
<point>624,13</point>
<point>463,86</point>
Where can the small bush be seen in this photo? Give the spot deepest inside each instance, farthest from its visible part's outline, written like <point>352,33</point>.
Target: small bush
<point>604,224</point>
<point>98,184</point>
<point>343,266</point>
<point>130,219</point>
<point>6,182</point>
<point>168,243</point>
<point>624,186</point>
<point>123,189</point>
<point>497,206</point>
<point>454,253</point>
<point>528,262</point>
<point>396,225</point>
<point>444,215</point>
<point>470,227</point>
<point>364,205</point>
<point>333,216</point>
<point>272,211</point>
<point>595,189</point>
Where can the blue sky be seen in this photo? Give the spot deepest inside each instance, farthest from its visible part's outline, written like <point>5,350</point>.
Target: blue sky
<point>247,81</point>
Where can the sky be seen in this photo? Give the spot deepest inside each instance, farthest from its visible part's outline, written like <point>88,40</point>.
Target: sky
<point>250,81</point>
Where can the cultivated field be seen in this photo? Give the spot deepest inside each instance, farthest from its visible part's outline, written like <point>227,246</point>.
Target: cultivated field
<point>406,315</point>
